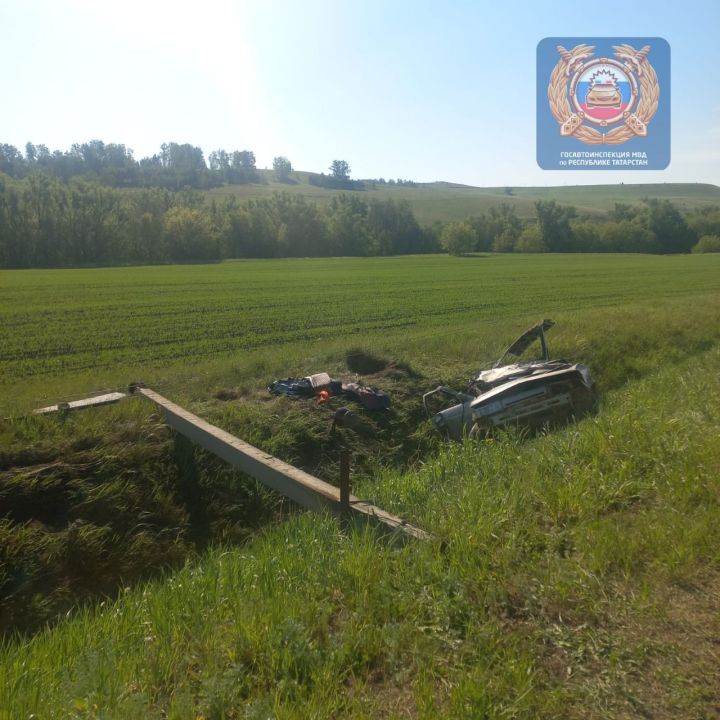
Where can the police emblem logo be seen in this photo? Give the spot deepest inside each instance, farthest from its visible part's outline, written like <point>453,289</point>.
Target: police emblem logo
<point>603,92</point>
<point>621,92</point>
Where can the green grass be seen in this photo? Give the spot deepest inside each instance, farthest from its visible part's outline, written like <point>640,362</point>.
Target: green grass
<point>577,582</point>
<point>449,201</point>
<point>581,567</point>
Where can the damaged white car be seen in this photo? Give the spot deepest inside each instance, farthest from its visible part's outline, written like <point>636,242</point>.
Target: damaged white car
<point>530,394</point>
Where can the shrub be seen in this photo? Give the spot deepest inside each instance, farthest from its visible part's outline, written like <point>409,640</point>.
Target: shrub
<point>458,238</point>
<point>531,240</point>
<point>707,244</point>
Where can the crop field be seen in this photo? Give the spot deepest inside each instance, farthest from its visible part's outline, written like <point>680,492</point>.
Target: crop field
<point>64,332</point>
<point>140,576</point>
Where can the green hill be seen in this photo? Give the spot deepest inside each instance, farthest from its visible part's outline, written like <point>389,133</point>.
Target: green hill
<point>451,201</point>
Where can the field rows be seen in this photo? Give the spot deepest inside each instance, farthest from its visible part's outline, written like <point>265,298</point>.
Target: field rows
<point>57,322</point>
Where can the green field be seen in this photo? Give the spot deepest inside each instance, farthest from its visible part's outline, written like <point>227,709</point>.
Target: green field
<point>581,573</point>
<point>450,201</point>
<point>64,332</point>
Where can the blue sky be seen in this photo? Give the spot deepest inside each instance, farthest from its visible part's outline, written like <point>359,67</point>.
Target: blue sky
<point>419,90</point>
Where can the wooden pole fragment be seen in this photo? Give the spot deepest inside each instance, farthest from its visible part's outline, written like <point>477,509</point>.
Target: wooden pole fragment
<point>296,484</point>
<point>107,399</point>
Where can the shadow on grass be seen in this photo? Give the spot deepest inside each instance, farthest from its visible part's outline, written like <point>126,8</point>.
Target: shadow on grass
<point>190,491</point>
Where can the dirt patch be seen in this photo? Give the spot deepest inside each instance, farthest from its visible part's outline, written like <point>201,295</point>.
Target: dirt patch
<point>225,395</point>
<point>364,363</point>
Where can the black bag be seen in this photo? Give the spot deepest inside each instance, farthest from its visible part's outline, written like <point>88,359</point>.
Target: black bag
<point>368,397</point>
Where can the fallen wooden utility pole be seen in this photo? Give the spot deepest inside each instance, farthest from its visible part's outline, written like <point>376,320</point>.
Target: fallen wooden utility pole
<point>96,401</point>
<point>303,488</point>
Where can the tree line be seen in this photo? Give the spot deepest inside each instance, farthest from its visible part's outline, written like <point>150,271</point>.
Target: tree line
<point>175,167</point>
<point>45,222</point>
<point>653,226</point>
<point>49,221</point>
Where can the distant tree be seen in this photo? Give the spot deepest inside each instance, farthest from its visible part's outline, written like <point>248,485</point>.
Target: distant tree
<point>458,238</point>
<point>282,167</point>
<point>395,231</point>
<point>220,165</point>
<point>530,240</point>
<point>670,227</point>
<point>177,166</point>
<point>348,228</point>
<point>554,221</point>
<point>244,159</point>
<point>242,166</point>
<point>482,229</point>
<point>705,220</point>
<point>500,229</point>
<point>188,234</point>
<point>587,235</point>
<point>340,170</point>
<point>301,231</point>
<point>11,161</point>
<point>505,241</point>
<point>623,211</point>
<point>625,236</point>
<point>31,152</point>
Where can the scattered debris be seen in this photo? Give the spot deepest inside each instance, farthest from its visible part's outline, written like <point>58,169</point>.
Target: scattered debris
<point>527,393</point>
<point>319,382</point>
<point>292,387</point>
<point>323,387</point>
<point>368,397</point>
<point>344,418</point>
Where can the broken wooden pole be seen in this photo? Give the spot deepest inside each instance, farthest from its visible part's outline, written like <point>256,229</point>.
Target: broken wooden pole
<point>296,484</point>
<point>107,399</point>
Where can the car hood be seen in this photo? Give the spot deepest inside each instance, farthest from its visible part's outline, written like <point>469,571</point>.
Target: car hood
<point>506,373</point>
<point>551,371</point>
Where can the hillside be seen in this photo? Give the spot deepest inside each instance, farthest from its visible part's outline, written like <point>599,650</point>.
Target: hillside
<point>450,201</point>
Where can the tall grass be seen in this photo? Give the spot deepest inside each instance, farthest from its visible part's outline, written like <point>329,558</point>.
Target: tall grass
<point>564,554</point>
<point>99,499</point>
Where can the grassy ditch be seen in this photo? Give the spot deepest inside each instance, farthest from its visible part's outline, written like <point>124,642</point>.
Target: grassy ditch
<point>579,581</point>
<point>94,501</point>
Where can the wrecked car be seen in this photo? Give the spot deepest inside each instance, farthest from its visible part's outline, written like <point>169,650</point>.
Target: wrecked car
<point>529,394</point>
